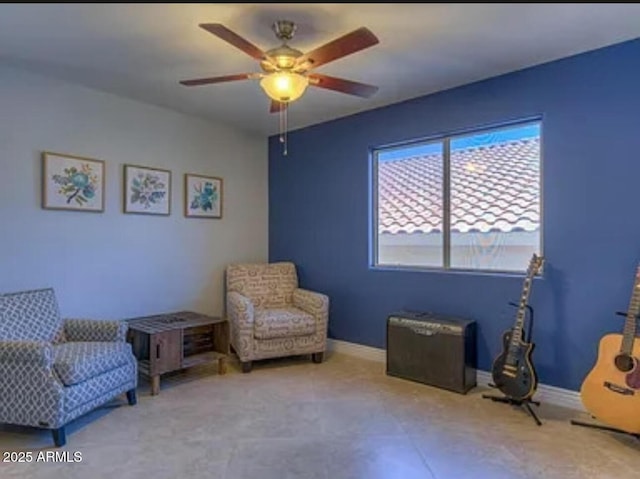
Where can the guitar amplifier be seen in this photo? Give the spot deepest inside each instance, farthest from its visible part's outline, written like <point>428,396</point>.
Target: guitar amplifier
<point>432,349</point>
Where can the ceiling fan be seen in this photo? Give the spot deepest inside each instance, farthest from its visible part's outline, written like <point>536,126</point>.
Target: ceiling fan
<point>286,71</point>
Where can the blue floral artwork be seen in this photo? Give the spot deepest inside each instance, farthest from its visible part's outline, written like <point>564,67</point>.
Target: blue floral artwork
<point>77,185</point>
<point>147,190</point>
<point>72,183</point>
<point>204,196</point>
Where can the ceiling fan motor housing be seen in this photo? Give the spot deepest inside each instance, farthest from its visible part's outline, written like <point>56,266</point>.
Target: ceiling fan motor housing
<point>284,57</point>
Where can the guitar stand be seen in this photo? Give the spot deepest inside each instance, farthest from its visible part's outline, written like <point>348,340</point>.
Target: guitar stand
<point>516,402</point>
<point>513,401</point>
<point>604,428</point>
<point>601,426</point>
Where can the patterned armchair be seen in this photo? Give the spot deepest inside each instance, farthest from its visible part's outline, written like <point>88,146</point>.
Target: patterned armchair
<point>271,317</point>
<point>52,370</point>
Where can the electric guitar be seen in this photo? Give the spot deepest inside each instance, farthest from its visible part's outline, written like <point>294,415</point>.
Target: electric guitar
<point>611,390</point>
<point>513,372</point>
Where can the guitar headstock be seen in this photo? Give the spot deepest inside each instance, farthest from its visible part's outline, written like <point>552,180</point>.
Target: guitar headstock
<point>535,264</point>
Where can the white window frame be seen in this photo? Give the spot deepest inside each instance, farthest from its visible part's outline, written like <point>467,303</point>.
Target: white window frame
<point>445,140</point>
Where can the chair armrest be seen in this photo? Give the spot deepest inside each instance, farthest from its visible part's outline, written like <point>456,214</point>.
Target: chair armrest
<point>240,312</point>
<point>240,309</point>
<point>34,353</point>
<point>31,393</point>
<point>95,330</point>
<point>313,303</point>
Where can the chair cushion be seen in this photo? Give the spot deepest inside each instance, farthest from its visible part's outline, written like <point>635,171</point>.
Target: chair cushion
<point>30,316</point>
<point>77,362</point>
<point>282,323</point>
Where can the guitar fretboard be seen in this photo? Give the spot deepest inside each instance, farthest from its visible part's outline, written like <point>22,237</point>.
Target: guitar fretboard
<point>629,333</point>
<point>519,324</point>
<point>534,266</point>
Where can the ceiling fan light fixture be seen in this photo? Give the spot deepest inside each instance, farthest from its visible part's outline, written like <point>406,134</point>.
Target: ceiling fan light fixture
<point>284,87</point>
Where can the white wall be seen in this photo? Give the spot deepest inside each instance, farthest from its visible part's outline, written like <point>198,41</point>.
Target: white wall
<point>114,265</point>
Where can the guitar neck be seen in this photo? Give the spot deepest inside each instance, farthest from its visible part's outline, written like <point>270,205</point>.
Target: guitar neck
<point>629,332</point>
<point>534,266</point>
<point>524,300</point>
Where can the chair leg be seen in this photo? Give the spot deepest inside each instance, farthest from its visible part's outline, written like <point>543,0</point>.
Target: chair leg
<point>59,436</point>
<point>132,397</point>
<point>246,366</point>
<point>317,357</point>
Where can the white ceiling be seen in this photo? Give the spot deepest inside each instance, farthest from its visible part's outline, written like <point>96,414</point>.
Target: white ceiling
<point>142,50</point>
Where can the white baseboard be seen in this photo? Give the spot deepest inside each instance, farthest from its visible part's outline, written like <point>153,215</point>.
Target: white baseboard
<point>357,350</point>
<point>545,393</point>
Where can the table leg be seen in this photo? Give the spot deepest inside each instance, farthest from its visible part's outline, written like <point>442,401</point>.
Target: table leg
<point>222,366</point>
<point>155,385</point>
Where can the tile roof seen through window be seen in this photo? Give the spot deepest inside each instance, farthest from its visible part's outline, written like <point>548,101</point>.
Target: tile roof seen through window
<point>493,188</point>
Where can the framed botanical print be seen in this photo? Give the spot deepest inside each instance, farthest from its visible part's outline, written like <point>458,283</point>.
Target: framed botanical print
<point>147,190</point>
<point>202,196</point>
<point>72,182</point>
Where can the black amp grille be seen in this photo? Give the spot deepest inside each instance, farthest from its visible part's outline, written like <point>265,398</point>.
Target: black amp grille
<point>432,349</point>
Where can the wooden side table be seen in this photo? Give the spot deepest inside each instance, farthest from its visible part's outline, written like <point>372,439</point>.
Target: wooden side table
<point>168,342</point>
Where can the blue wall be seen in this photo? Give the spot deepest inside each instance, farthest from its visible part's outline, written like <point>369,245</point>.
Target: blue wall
<point>590,108</point>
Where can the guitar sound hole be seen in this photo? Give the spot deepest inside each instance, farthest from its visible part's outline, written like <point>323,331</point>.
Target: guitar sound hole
<point>624,363</point>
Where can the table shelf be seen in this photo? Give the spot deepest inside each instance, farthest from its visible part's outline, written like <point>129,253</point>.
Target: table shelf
<point>202,358</point>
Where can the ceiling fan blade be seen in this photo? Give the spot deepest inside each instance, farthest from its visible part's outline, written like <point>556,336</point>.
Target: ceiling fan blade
<point>210,80</point>
<point>276,106</point>
<point>341,85</point>
<point>234,39</point>
<point>340,47</point>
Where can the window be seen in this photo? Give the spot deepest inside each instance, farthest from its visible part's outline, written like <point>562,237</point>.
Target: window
<point>464,202</point>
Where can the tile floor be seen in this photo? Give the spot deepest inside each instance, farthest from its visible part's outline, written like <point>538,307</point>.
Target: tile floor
<point>343,419</point>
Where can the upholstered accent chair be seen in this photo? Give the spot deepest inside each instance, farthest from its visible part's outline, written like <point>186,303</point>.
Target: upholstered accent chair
<point>53,370</point>
<point>270,316</point>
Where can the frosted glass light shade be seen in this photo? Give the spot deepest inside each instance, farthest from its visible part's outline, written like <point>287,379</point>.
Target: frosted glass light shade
<point>284,86</point>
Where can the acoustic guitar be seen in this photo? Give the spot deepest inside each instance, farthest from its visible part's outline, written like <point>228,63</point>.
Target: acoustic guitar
<point>611,390</point>
<point>513,372</point>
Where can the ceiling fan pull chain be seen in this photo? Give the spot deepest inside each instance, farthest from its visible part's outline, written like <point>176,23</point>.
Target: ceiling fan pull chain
<point>280,124</point>
<point>283,127</point>
<point>286,127</point>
